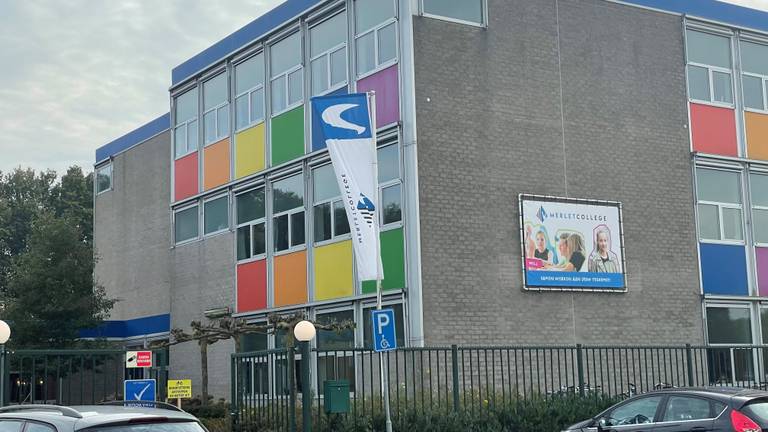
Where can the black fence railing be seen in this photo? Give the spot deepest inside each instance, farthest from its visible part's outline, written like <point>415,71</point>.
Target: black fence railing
<point>427,380</point>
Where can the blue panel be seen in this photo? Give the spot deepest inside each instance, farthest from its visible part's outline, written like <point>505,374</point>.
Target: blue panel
<point>134,137</point>
<point>317,131</point>
<point>711,10</point>
<point>253,31</point>
<point>135,327</point>
<point>724,269</point>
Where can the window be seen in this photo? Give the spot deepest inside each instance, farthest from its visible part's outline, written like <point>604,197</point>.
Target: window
<point>389,184</point>
<point>10,425</point>
<point>328,54</point>
<point>399,325</point>
<point>333,363</point>
<point>185,224</point>
<point>754,65</point>
<point>185,118</point>
<point>104,178</point>
<point>249,90</point>
<point>719,204</point>
<point>638,411</point>
<point>251,234</point>
<point>462,10</point>
<point>709,67</point>
<point>288,212</point>
<point>330,217</point>
<point>287,78</point>
<point>216,215</point>
<point>758,187</point>
<point>729,325</point>
<point>215,104</point>
<point>39,427</point>
<point>682,408</point>
<point>376,35</point>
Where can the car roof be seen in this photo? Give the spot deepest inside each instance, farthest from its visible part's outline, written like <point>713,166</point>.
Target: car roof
<point>85,416</point>
<point>723,394</point>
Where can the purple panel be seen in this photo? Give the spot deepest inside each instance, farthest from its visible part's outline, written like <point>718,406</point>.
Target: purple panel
<point>762,270</point>
<point>387,89</point>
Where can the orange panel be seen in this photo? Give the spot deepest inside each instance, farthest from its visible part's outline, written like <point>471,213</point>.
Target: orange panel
<point>713,130</point>
<point>757,135</point>
<point>291,279</point>
<point>216,164</point>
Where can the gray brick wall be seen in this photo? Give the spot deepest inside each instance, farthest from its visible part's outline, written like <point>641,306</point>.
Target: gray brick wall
<point>489,108</point>
<point>132,231</point>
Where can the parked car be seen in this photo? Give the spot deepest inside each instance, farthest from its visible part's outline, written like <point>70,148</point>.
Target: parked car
<point>692,409</point>
<point>113,417</point>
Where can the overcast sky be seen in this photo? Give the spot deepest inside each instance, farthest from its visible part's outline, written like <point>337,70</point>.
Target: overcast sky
<point>77,74</point>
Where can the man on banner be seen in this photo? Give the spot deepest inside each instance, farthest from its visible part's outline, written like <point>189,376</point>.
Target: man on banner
<point>349,132</point>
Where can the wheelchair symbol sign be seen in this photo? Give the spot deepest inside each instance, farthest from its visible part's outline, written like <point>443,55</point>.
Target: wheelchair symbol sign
<point>383,324</point>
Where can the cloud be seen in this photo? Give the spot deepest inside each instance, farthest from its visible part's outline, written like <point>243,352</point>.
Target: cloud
<point>754,4</point>
<point>81,73</point>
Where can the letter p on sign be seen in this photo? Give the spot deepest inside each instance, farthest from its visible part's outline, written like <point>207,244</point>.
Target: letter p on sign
<point>383,325</point>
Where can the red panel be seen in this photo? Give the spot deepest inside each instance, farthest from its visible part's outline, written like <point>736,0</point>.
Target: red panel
<point>185,177</point>
<point>713,130</point>
<point>252,286</point>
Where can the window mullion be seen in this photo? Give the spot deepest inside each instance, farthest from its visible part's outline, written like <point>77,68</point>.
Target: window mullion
<point>720,221</point>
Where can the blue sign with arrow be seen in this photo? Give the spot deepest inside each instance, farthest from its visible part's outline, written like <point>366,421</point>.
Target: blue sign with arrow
<point>383,325</point>
<point>140,390</point>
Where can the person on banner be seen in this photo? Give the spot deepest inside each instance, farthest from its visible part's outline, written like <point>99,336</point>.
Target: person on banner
<point>603,259</point>
<point>571,247</point>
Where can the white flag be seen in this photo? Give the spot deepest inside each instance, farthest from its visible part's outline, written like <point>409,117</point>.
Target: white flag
<point>347,132</point>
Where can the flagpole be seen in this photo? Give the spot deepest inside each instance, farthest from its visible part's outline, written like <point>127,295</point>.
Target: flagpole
<point>383,368</point>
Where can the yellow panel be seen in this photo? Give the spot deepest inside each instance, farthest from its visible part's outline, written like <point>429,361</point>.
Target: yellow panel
<point>216,164</point>
<point>249,151</point>
<point>333,271</point>
<point>757,135</point>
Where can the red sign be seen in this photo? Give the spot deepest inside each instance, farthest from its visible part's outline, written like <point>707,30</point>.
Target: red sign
<point>138,359</point>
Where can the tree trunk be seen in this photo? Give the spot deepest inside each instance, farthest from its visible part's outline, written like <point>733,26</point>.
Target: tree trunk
<point>238,343</point>
<point>204,368</point>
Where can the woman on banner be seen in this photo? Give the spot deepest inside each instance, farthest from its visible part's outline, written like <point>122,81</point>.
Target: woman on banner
<point>602,259</point>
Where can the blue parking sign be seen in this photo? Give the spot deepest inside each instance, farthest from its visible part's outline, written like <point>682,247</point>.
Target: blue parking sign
<point>140,390</point>
<point>383,326</point>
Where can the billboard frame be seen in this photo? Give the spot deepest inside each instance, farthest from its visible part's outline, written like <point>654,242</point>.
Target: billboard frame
<point>550,198</point>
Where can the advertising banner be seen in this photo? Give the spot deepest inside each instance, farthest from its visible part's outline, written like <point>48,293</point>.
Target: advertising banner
<point>571,244</point>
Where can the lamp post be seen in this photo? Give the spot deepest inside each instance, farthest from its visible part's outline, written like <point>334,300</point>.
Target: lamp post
<point>304,332</point>
<point>5,334</point>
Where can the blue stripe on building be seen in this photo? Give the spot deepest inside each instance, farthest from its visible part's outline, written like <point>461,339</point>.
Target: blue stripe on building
<point>711,10</point>
<point>130,328</point>
<point>134,137</point>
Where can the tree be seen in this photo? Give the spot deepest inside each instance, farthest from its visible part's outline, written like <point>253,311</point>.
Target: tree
<point>72,198</point>
<point>51,291</point>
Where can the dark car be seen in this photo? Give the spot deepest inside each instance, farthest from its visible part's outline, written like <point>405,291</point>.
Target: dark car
<point>692,409</point>
<point>97,418</point>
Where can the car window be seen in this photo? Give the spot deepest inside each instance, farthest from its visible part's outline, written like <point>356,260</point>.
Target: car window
<point>150,427</point>
<point>10,425</point>
<point>757,410</point>
<point>687,408</point>
<point>638,411</point>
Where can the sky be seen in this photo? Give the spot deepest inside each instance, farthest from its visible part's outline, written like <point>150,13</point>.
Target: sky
<point>77,74</point>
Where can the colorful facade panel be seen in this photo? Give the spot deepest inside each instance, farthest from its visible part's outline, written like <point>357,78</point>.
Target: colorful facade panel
<point>761,262</point>
<point>713,130</point>
<point>724,269</point>
<point>287,141</point>
<point>216,164</point>
<point>333,271</point>
<point>290,279</point>
<point>385,84</point>
<point>393,259</point>
<point>252,286</point>
<point>249,151</point>
<point>757,135</point>
<point>185,178</point>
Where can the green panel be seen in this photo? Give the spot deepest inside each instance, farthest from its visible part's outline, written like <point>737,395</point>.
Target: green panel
<point>393,258</point>
<point>287,136</point>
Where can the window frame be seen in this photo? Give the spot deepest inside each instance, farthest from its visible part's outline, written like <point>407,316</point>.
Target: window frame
<point>336,353</point>
<point>378,66</point>
<point>214,198</point>
<point>656,416</point>
<point>327,54</point>
<point>710,74</point>
<point>315,204</point>
<point>732,347</point>
<point>289,213</point>
<point>249,93</point>
<point>389,183</point>
<point>194,204</point>
<point>185,124</point>
<point>483,4</point>
<point>215,109</point>
<point>107,165</point>
<point>720,206</point>
<point>371,304</point>
<point>764,84</point>
<point>285,74</point>
<point>251,223</point>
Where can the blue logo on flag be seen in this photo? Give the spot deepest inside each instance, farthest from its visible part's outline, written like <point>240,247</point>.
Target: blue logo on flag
<point>343,116</point>
<point>366,208</point>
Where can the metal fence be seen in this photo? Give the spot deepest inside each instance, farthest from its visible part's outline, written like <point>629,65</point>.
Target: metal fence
<point>426,380</point>
<point>71,377</point>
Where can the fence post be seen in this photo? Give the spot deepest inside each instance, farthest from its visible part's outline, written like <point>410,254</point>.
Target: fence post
<point>455,369</point>
<point>292,386</point>
<point>689,361</point>
<point>580,366</point>
<point>234,406</point>
<point>306,388</point>
<point>3,381</point>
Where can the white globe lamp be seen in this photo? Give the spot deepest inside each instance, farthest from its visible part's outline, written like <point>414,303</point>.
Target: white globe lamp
<point>304,331</point>
<point>5,332</point>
